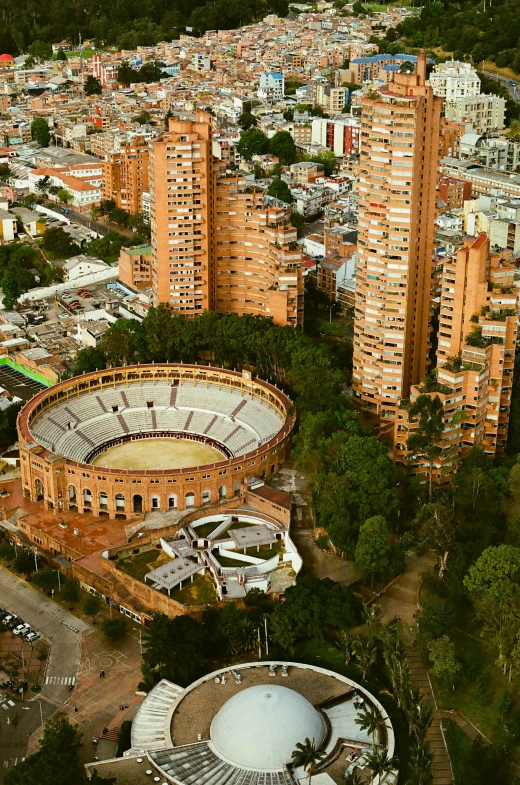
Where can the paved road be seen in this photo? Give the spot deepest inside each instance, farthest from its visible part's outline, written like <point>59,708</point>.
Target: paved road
<point>85,220</point>
<point>513,90</point>
<point>64,660</point>
<point>316,227</point>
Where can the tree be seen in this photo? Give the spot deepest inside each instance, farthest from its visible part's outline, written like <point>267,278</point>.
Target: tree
<point>143,117</point>
<point>421,759</point>
<point>70,592</point>
<point>5,173</point>
<point>126,75</point>
<point>41,50</point>
<point>423,442</point>
<point>282,630</point>
<point>373,547</point>
<point>92,606</point>
<point>43,185</point>
<point>89,359</point>
<point>46,579</point>
<point>24,562</point>
<point>365,652</point>
<point>252,142</point>
<point>327,159</point>
<point>378,762</point>
<point>92,86</point>
<point>247,121</point>
<point>64,196</point>
<point>118,216</point>
<point>40,131</point>
<point>444,663</point>
<point>105,206</point>
<point>58,243</point>
<point>308,757</point>
<point>56,762</point>
<point>174,649</point>
<point>280,190</point>
<point>372,721</point>
<point>61,55</point>
<point>437,527</point>
<point>114,629</point>
<point>283,147</point>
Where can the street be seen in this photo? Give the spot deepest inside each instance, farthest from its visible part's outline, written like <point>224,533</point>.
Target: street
<point>513,90</point>
<point>85,220</point>
<point>47,617</point>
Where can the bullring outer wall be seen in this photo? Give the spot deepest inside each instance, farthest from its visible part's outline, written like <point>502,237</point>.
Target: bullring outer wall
<point>48,477</point>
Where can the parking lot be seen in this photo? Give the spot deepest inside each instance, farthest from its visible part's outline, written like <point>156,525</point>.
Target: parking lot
<point>22,665</point>
<point>17,384</point>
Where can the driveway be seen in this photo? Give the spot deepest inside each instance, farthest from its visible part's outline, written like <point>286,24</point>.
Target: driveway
<point>49,619</point>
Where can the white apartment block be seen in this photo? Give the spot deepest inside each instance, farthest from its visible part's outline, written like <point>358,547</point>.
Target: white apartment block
<point>486,113</point>
<point>272,85</point>
<point>454,80</point>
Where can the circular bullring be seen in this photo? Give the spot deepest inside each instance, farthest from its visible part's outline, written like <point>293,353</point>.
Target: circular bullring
<point>126,441</point>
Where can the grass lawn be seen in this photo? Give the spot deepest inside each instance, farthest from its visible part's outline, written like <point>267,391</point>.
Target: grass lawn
<point>141,563</point>
<point>459,747</point>
<point>225,561</point>
<point>235,525</point>
<point>205,529</point>
<point>200,592</point>
<point>265,552</point>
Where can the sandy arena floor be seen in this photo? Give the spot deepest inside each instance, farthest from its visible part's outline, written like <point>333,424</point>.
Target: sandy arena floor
<point>158,454</point>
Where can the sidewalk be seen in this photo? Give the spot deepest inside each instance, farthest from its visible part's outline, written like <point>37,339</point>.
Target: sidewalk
<point>98,699</point>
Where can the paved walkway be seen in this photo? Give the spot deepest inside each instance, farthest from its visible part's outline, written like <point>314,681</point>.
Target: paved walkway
<point>98,699</point>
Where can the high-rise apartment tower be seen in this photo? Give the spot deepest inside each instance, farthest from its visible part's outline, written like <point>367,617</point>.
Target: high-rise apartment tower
<point>397,189</point>
<point>217,244</point>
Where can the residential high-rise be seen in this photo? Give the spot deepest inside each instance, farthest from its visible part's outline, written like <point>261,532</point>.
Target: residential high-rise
<point>475,358</point>
<point>397,195</point>
<point>217,243</point>
<point>125,175</point>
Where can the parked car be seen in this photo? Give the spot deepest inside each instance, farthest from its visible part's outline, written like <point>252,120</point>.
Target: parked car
<point>25,633</point>
<point>7,619</point>
<point>13,623</point>
<point>20,628</point>
<point>33,636</point>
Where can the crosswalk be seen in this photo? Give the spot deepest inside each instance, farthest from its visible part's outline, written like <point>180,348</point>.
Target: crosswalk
<point>7,704</point>
<point>60,680</point>
<point>7,762</point>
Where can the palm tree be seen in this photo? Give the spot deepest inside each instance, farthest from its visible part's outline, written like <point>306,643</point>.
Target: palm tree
<point>371,721</point>
<point>379,763</point>
<point>352,779</point>
<point>308,756</point>
<point>366,653</point>
<point>421,759</point>
<point>345,644</point>
<point>420,717</point>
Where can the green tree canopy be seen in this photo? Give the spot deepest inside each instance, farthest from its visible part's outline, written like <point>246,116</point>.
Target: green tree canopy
<point>92,86</point>
<point>280,190</point>
<point>40,131</point>
<point>283,147</point>
<point>373,547</point>
<point>247,121</point>
<point>252,142</point>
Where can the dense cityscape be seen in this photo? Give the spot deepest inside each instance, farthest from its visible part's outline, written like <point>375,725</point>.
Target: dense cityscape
<point>259,394</point>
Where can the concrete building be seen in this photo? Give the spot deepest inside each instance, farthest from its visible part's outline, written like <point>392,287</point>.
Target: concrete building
<point>306,172</point>
<point>453,80</point>
<point>454,192</point>
<point>397,203</point>
<point>125,175</point>
<point>486,113</point>
<point>135,267</point>
<point>272,86</point>
<point>475,359</point>
<point>217,244</point>
<point>341,135</point>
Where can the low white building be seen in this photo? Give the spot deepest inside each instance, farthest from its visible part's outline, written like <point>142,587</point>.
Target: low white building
<point>81,265</point>
<point>8,229</point>
<point>272,86</point>
<point>453,80</point>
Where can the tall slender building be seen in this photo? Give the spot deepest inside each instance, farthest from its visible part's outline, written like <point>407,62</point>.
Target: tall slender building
<point>217,243</point>
<point>397,188</point>
<point>125,175</point>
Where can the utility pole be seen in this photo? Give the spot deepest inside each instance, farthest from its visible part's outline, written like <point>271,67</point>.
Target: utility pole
<point>81,56</point>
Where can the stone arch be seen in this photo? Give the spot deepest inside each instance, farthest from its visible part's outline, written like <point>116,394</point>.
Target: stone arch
<point>72,494</point>
<point>155,502</point>
<point>172,501</point>
<point>87,497</point>
<point>38,487</point>
<point>206,496</point>
<point>189,499</point>
<point>103,500</point>
<point>137,503</point>
<point>222,492</point>
<point>120,502</point>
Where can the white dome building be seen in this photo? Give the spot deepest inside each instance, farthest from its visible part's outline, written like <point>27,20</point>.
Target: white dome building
<point>240,726</point>
<point>259,727</point>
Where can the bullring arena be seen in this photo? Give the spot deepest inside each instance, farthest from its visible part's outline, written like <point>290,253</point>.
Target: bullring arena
<point>127,441</point>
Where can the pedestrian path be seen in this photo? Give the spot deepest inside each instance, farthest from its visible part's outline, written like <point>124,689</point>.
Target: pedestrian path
<point>60,680</point>
<point>8,762</point>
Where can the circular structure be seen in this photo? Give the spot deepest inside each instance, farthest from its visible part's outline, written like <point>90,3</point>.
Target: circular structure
<point>130,440</point>
<point>259,727</point>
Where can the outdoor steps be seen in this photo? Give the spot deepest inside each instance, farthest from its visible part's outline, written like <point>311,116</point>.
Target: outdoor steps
<point>441,768</point>
<point>149,728</point>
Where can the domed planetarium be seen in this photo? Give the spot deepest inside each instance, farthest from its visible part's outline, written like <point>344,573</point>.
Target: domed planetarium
<point>240,726</point>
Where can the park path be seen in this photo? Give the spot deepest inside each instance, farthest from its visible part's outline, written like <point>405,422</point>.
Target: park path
<point>399,601</point>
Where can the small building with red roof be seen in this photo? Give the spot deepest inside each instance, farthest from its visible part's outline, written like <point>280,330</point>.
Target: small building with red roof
<point>6,61</point>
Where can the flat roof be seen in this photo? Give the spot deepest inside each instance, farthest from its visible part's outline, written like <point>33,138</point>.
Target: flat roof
<point>173,572</point>
<point>252,535</point>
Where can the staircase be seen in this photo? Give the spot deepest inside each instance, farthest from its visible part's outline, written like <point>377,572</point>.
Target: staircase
<point>441,767</point>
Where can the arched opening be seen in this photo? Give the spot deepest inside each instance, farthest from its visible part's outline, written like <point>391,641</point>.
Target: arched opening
<point>222,492</point>
<point>138,503</point>
<point>120,502</point>
<point>172,501</point>
<point>72,494</point>
<point>103,501</point>
<point>87,498</point>
<point>156,502</point>
<point>206,497</point>
<point>189,500</point>
<point>236,487</point>
<point>38,486</point>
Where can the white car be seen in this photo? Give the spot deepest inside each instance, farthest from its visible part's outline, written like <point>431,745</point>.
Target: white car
<point>21,629</point>
<point>33,636</point>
